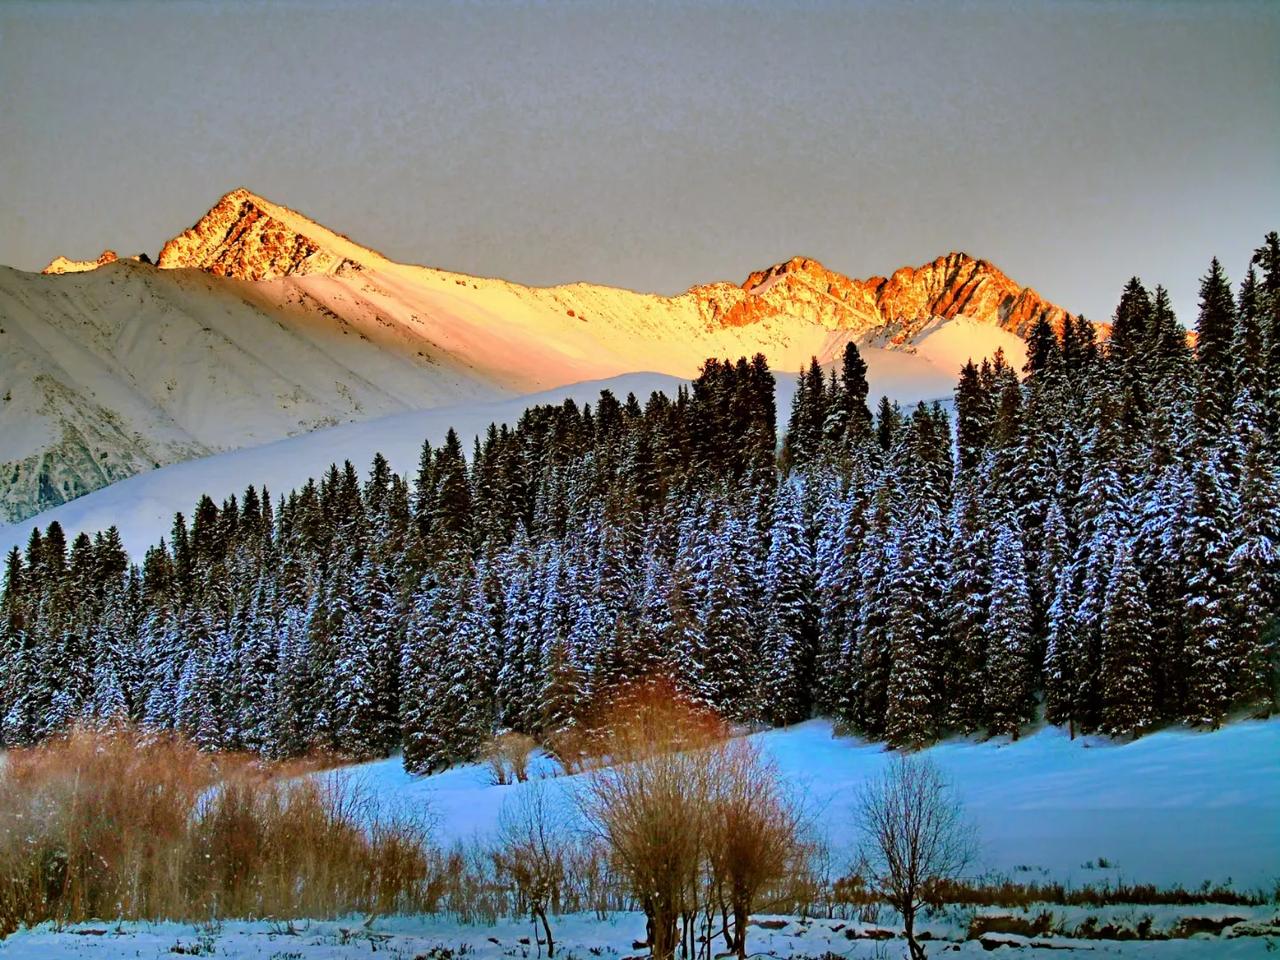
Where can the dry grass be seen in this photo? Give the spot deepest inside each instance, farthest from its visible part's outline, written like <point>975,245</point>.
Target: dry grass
<point>113,825</point>
<point>1008,893</point>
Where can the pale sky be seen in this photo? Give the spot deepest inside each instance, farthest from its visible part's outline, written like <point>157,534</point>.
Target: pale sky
<point>658,145</point>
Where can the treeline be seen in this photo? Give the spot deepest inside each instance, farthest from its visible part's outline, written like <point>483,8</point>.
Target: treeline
<point>1098,533</point>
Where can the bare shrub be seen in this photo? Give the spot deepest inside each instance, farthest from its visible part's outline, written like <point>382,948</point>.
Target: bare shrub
<point>753,838</point>
<point>695,822</point>
<point>591,883</point>
<point>914,837</point>
<point>534,853</point>
<point>507,756</point>
<point>650,803</point>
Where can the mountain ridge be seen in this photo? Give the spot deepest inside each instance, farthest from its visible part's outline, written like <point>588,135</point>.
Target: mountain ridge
<point>257,323</point>
<point>244,236</point>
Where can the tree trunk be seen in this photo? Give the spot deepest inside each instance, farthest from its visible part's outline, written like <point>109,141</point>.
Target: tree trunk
<point>551,944</point>
<point>909,929</point>
<point>740,918</point>
<point>663,942</point>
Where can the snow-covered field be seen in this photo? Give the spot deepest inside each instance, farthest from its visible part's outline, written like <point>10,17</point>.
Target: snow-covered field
<point>583,936</point>
<point>1175,807</point>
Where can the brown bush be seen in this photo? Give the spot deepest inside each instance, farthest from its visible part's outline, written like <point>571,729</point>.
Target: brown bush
<point>753,837</point>
<point>111,824</point>
<point>507,757</point>
<point>647,797</point>
<point>694,822</point>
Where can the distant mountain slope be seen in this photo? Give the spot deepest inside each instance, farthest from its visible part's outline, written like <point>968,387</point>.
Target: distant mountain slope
<point>258,323</point>
<point>142,506</point>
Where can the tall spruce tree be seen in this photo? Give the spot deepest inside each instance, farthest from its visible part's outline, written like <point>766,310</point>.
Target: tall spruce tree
<point>1128,692</point>
<point>1010,673</point>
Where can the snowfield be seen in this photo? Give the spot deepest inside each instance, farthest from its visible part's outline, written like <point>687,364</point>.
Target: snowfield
<point>1173,807</point>
<point>110,372</point>
<point>142,507</point>
<point>582,936</point>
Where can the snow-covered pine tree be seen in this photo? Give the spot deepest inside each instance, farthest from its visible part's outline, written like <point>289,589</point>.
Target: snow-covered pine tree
<point>1010,693</point>
<point>1254,570</point>
<point>439,722</point>
<point>790,647</point>
<point>967,595</point>
<point>1102,508</point>
<point>726,662</point>
<point>911,711</point>
<point>839,589</point>
<point>1127,685</point>
<point>256,702</point>
<point>1064,655</point>
<point>1209,517</point>
<point>1214,332</point>
<point>367,674</point>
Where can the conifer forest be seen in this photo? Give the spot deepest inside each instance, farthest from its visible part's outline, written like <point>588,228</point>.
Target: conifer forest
<point>1093,539</point>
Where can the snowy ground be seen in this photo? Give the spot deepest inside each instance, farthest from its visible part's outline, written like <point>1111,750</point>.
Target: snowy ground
<point>582,936</point>
<point>1174,807</point>
<point>142,506</point>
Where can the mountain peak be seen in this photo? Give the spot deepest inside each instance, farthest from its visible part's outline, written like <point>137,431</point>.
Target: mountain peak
<point>805,266</point>
<point>957,284</point>
<point>67,265</point>
<point>952,285</point>
<point>246,237</point>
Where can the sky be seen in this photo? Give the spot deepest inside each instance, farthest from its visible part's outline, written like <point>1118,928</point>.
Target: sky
<point>655,145</point>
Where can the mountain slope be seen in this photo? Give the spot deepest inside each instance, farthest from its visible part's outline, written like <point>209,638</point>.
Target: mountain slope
<point>142,507</point>
<point>257,324</point>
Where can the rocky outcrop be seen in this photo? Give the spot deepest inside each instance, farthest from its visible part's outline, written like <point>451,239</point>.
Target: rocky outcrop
<point>246,238</point>
<point>950,286</point>
<point>65,265</point>
<point>959,285</point>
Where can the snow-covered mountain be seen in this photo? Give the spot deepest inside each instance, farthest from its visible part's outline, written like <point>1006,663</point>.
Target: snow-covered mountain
<point>258,324</point>
<point>142,507</point>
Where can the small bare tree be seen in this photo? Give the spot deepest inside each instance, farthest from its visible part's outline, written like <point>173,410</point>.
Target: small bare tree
<point>914,836</point>
<point>533,851</point>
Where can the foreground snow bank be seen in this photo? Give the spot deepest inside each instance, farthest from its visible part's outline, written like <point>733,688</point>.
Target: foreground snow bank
<point>579,936</point>
<point>1175,807</point>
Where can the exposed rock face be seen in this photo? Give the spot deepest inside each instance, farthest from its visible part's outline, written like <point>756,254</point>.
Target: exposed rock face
<point>958,285</point>
<point>246,238</point>
<point>65,265</point>
<point>950,286</point>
